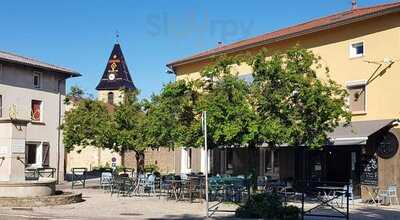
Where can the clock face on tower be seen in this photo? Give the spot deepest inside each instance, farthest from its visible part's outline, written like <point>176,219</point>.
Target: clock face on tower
<point>111,76</point>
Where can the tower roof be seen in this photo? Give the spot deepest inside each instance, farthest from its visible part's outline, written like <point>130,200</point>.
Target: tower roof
<point>116,75</point>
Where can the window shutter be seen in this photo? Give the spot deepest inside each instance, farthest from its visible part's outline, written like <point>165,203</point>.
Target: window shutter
<point>46,154</point>
<point>26,154</point>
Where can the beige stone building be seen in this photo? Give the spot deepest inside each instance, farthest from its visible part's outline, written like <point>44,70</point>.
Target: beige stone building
<point>31,100</point>
<point>361,47</point>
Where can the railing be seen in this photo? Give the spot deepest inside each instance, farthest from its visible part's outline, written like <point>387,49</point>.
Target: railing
<point>328,199</point>
<point>36,173</point>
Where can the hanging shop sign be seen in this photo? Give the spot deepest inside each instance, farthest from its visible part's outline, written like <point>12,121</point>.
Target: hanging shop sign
<point>388,146</point>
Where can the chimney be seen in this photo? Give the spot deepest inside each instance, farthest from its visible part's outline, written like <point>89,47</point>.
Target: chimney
<point>353,4</point>
<point>220,44</point>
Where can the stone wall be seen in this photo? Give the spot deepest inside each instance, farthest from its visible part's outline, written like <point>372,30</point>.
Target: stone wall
<point>90,157</point>
<point>163,158</point>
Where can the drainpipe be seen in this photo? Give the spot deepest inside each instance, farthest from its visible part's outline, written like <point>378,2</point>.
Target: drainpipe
<point>59,131</point>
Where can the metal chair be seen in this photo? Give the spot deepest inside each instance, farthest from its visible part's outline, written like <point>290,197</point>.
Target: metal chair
<point>392,194</point>
<point>350,194</point>
<point>79,177</point>
<point>106,180</point>
<point>151,184</point>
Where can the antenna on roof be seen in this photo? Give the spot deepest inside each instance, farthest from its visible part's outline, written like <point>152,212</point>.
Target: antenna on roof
<point>117,37</point>
<point>353,4</point>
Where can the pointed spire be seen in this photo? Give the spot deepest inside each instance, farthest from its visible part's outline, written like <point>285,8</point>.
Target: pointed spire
<point>117,36</point>
<point>353,4</point>
<point>116,74</point>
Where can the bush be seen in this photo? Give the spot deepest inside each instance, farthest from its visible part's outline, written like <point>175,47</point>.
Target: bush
<point>267,206</point>
<point>150,168</point>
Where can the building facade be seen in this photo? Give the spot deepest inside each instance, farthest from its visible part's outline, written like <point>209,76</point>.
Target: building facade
<point>32,93</point>
<point>361,48</point>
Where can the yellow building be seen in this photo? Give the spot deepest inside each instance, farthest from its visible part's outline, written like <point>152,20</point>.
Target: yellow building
<point>361,47</point>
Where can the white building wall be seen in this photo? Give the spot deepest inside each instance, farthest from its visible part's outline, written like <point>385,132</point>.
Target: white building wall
<point>17,90</point>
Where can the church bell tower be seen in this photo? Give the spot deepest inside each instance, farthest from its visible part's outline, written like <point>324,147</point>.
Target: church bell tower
<point>116,78</point>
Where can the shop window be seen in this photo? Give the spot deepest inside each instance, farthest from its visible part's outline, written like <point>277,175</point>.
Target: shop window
<point>229,159</point>
<point>357,50</point>
<point>37,110</point>
<point>276,162</point>
<point>272,163</point>
<point>110,98</point>
<point>36,79</point>
<point>357,97</point>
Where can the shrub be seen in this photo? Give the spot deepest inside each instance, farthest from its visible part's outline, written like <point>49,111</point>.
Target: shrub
<point>267,206</point>
<point>150,168</point>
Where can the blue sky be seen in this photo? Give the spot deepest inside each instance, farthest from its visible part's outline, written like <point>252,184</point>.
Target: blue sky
<point>80,34</point>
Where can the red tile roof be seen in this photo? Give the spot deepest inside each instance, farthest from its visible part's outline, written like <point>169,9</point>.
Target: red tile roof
<point>316,25</point>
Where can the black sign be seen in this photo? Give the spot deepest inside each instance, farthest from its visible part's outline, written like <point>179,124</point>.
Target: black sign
<point>369,175</point>
<point>388,146</point>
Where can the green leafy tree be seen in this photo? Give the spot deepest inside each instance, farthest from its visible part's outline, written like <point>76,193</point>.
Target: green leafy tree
<point>285,104</point>
<point>87,124</point>
<point>294,106</point>
<point>127,129</point>
<point>171,117</point>
<point>76,91</point>
<point>75,94</point>
<point>231,120</point>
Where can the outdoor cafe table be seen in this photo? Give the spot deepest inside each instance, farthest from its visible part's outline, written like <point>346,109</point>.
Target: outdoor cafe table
<point>373,193</point>
<point>176,187</point>
<point>330,192</point>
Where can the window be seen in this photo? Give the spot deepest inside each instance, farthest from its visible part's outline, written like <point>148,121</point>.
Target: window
<point>110,98</point>
<point>272,163</point>
<point>31,153</point>
<point>357,50</point>
<point>229,159</point>
<point>36,80</point>
<point>37,110</point>
<point>276,162</point>
<point>1,106</point>
<point>189,158</point>
<point>357,97</point>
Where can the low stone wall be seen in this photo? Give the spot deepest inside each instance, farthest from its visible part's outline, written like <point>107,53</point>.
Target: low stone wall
<point>41,187</point>
<point>61,199</point>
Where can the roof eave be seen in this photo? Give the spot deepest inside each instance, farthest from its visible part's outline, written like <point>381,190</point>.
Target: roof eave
<point>285,37</point>
<point>66,72</point>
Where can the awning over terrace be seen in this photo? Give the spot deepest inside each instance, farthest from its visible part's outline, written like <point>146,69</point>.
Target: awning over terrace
<point>357,132</point>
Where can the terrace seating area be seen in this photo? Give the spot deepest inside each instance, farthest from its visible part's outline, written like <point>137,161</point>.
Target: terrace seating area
<point>223,189</point>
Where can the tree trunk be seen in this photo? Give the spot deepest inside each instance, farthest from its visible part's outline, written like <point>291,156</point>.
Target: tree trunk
<point>139,162</point>
<point>251,151</point>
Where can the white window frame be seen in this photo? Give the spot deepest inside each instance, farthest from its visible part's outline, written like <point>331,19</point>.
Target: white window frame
<point>1,72</point>
<point>353,51</point>
<point>1,105</point>
<point>357,83</point>
<point>39,75</point>
<point>41,110</point>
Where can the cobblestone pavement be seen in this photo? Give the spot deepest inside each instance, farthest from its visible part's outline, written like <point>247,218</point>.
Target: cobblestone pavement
<point>99,205</point>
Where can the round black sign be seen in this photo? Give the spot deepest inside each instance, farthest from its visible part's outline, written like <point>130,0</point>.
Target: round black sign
<point>388,146</point>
